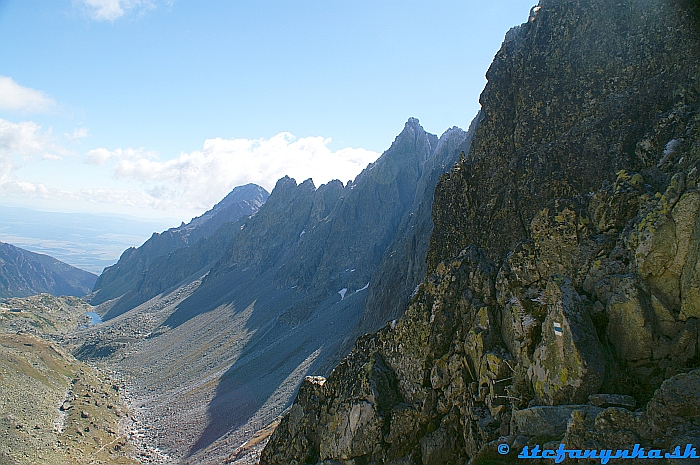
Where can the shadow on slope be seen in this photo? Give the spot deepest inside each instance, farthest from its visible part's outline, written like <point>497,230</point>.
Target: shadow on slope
<point>301,269</point>
<point>285,345</point>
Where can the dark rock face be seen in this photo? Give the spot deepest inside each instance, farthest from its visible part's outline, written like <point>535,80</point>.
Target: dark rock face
<point>122,279</point>
<point>24,273</point>
<point>579,92</point>
<point>403,265</point>
<point>562,264</point>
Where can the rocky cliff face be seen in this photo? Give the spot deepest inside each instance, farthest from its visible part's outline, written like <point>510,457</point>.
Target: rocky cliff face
<point>561,302</point>
<point>121,280</point>
<point>24,273</point>
<point>403,265</point>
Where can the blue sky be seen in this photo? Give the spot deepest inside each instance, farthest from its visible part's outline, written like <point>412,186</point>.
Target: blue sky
<point>159,108</point>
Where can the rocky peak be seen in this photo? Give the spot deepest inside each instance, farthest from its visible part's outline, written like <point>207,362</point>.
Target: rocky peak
<point>283,184</point>
<point>451,139</point>
<point>251,193</point>
<point>414,134</point>
<point>120,280</point>
<point>562,289</point>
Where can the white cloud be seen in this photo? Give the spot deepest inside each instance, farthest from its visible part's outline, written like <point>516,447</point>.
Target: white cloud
<point>203,177</point>
<point>36,190</point>
<point>109,10</point>
<point>28,189</point>
<point>23,142</point>
<point>141,180</point>
<point>78,133</point>
<point>15,97</point>
<point>101,156</point>
<point>22,138</point>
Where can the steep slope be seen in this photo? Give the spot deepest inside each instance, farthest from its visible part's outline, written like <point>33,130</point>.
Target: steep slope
<point>24,273</point>
<point>224,348</point>
<point>403,265</point>
<point>123,277</point>
<point>169,271</point>
<point>55,410</point>
<point>562,288</point>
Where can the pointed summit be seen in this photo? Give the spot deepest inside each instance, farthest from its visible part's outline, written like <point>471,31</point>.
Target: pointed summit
<point>118,280</point>
<point>412,127</point>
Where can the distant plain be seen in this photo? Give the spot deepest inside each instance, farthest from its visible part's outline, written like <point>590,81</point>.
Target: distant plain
<point>87,241</point>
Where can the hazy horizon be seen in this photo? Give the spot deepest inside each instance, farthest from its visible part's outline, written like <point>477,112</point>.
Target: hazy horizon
<point>87,241</point>
<point>159,108</point>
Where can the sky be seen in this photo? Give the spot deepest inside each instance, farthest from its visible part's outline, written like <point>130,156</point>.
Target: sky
<point>158,108</point>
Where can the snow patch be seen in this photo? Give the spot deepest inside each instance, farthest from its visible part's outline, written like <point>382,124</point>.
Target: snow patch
<point>415,291</point>
<point>342,293</point>
<point>362,289</point>
<point>669,150</point>
<point>671,146</point>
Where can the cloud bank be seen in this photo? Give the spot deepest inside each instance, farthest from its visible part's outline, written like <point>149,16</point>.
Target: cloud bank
<point>190,182</point>
<point>109,10</point>
<point>201,178</point>
<point>15,97</point>
<point>22,143</point>
<point>79,133</point>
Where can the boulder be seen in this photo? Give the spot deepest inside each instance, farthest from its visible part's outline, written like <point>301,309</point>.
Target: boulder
<point>568,363</point>
<point>549,421</point>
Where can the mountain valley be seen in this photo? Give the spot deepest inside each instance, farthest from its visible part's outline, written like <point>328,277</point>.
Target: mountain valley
<point>215,336</point>
<point>532,281</point>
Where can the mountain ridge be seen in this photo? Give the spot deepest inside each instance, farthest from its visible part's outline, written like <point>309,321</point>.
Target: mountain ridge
<point>117,280</point>
<point>262,301</point>
<point>24,273</point>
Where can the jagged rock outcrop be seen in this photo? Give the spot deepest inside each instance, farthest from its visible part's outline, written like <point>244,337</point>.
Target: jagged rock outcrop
<point>561,291</point>
<point>120,280</point>
<point>403,266</point>
<point>262,302</point>
<point>24,273</point>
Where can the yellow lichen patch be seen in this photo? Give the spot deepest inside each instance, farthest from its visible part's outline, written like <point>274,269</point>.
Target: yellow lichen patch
<point>637,180</point>
<point>623,175</point>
